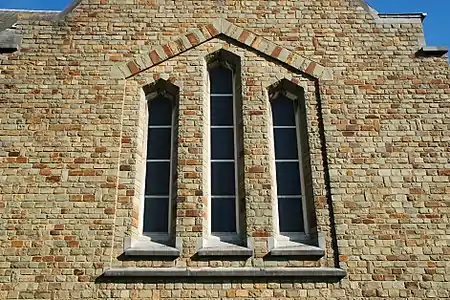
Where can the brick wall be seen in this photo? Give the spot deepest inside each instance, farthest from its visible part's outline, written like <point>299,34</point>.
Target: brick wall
<point>72,134</point>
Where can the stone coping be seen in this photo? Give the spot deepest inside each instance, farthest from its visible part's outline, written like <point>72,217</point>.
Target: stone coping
<point>303,272</point>
<point>432,51</point>
<point>419,15</point>
<point>9,41</point>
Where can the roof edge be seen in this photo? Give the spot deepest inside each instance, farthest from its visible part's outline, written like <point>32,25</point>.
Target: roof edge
<point>392,17</point>
<point>432,51</point>
<point>68,9</point>
<point>413,15</point>
<point>30,10</point>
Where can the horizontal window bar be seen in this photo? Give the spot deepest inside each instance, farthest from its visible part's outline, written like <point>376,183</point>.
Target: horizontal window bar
<point>156,196</point>
<point>223,160</point>
<point>222,126</point>
<point>289,196</point>
<point>225,196</point>
<point>221,95</point>
<point>160,126</point>
<point>158,160</point>
<point>286,160</point>
<point>284,127</point>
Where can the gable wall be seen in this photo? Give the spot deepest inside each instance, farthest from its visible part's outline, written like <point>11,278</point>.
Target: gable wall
<point>69,137</point>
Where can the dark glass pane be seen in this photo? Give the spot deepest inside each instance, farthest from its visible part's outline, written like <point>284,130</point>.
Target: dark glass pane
<point>288,178</point>
<point>290,214</point>
<point>283,112</point>
<point>156,214</point>
<point>222,111</point>
<point>221,80</point>
<point>222,178</point>
<point>222,143</point>
<point>223,211</point>
<point>160,111</point>
<point>285,143</point>
<point>158,143</point>
<point>157,178</point>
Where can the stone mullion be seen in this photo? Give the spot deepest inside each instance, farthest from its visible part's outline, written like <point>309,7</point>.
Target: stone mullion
<point>191,206</point>
<point>257,164</point>
<point>126,217</point>
<point>320,208</point>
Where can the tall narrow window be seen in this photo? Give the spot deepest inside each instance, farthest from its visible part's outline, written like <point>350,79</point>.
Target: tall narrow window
<point>290,185</point>
<point>223,153</point>
<point>159,168</point>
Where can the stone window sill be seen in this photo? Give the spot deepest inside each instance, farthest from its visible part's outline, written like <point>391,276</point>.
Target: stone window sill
<point>298,250</point>
<point>225,251</point>
<point>213,246</point>
<point>320,272</point>
<point>283,246</point>
<point>144,246</point>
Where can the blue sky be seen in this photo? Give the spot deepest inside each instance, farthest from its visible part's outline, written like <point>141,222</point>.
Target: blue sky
<point>437,24</point>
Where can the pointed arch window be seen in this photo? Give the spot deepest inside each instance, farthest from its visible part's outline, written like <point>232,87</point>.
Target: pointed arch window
<point>294,212</point>
<point>288,166</point>
<point>223,152</point>
<point>225,148</point>
<point>160,171</point>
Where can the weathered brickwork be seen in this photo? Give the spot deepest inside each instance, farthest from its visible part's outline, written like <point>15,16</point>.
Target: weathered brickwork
<point>72,148</point>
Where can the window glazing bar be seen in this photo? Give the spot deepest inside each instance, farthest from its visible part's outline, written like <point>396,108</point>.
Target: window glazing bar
<point>158,160</point>
<point>284,127</point>
<point>286,160</point>
<point>222,126</point>
<point>222,160</point>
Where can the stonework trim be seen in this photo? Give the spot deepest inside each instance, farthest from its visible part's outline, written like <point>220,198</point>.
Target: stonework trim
<point>392,18</point>
<point>143,246</point>
<point>302,272</point>
<point>9,41</point>
<point>305,251</point>
<point>432,51</point>
<point>225,251</point>
<point>210,31</point>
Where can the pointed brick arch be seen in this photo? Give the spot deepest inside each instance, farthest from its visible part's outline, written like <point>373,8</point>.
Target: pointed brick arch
<point>210,31</point>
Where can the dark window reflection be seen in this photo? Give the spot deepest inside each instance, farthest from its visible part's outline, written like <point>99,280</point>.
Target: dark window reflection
<point>222,177</point>
<point>285,143</point>
<point>157,178</point>
<point>283,112</point>
<point>288,178</point>
<point>290,214</point>
<point>223,217</point>
<point>222,111</point>
<point>159,143</point>
<point>222,143</point>
<point>221,80</point>
<point>160,111</point>
<point>156,214</point>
